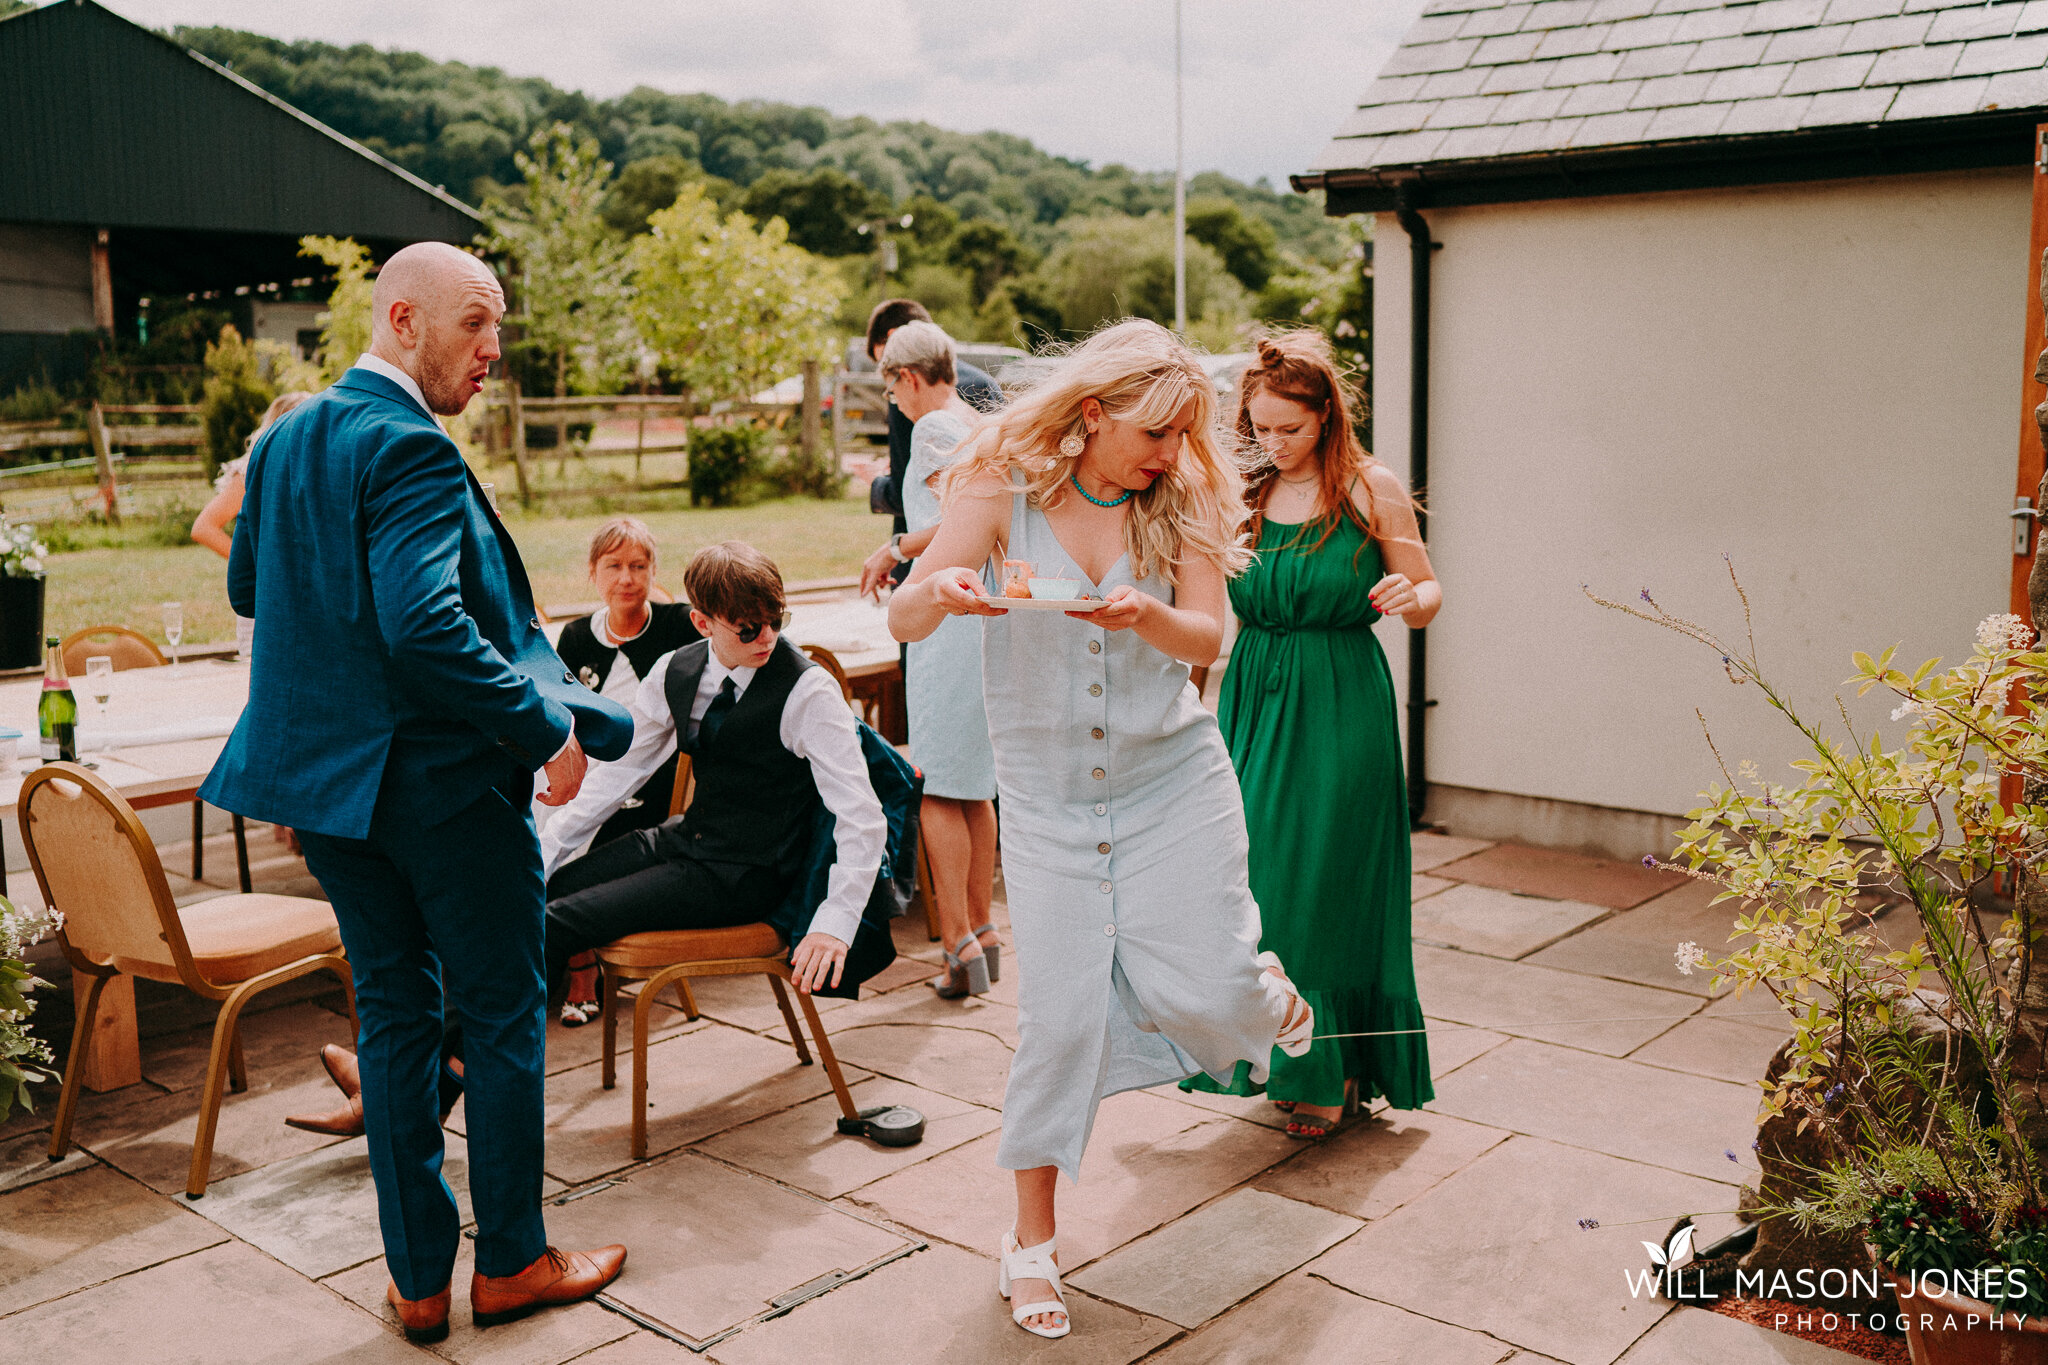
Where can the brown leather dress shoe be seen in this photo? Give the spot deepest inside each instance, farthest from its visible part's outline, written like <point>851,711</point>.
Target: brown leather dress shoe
<point>424,1320</point>
<point>347,1121</point>
<point>342,1069</point>
<point>557,1277</point>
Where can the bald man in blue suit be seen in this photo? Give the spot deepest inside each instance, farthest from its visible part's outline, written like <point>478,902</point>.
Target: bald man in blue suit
<point>401,699</point>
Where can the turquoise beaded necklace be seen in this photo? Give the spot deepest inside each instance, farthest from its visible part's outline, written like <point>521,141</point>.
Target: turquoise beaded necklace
<point>1119,501</point>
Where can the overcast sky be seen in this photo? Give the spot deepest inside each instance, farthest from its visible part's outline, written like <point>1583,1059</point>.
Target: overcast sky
<point>1267,81</point>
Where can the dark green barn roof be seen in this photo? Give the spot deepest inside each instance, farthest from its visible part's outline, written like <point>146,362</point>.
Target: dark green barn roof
<point>106,124</point>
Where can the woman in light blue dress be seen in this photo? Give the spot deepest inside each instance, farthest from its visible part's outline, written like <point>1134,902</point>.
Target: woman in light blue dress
<point>942,685</point>
<point>1123,836</point>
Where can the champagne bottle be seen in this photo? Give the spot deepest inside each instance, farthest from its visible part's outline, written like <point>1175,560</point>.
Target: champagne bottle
<point>57,713</point>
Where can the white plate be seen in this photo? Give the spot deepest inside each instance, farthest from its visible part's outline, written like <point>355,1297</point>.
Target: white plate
<point>1046,604</point>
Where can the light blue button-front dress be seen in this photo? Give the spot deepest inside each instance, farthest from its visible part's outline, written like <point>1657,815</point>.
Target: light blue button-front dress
<point>1124,846</point>
<point>942,683</point>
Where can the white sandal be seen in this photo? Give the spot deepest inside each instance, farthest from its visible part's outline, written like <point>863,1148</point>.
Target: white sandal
<point>1294,1040</point>
<point>1033,1263</point>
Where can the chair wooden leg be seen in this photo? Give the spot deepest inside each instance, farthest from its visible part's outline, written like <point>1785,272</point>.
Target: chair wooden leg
<point>209,1110</point>
<point>643,1005</point>
<point>825,1051</point>
<point>238,1069</point>
<point>796,1035</point>
<point>242,853</point>
<point>74,1070</point>
<point>608,992</point>
<point>686,999</point>
<point>198,839</point>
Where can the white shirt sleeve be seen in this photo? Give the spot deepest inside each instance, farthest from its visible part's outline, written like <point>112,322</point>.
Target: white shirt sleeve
<point>818,726</point>
<point>607,785</point>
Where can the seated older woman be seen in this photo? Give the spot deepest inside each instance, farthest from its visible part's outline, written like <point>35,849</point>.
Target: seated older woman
<point>611,650</point>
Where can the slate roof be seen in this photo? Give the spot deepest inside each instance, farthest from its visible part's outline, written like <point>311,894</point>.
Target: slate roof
<point>1486,80</point>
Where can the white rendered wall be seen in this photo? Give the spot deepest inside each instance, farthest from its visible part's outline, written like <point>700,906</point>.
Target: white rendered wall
<point>1821,381</point>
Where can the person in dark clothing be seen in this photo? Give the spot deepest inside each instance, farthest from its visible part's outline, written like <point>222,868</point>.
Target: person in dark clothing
<point>973,384</point>
<point>611,651</point>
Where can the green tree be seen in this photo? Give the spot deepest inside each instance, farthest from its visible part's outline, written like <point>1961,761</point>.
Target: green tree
<point>729,308</point>
<point>345,326</point>
<point>653,183</point>
<point>235,396</point>
<point>824,208</point>
<point>569,268</point>
<point>989,253</point>
<point>1112,267</point>
<point>1248,245</point>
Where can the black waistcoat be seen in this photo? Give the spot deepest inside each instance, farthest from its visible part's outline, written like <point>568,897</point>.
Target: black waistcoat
<point>754,798</point>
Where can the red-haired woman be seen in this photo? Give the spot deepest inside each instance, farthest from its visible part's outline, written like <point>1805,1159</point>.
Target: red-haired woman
<point>1307,709</point>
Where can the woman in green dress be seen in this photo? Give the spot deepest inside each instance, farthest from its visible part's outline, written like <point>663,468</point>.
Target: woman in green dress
<point>1307,710</point>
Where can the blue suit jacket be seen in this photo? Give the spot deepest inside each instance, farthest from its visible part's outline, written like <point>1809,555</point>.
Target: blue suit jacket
<point>397,648</point>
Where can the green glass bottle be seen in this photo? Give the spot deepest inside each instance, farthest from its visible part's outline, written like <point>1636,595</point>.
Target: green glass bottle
<point>57,713</point>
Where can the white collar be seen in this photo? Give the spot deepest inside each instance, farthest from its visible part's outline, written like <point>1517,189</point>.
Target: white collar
<point>378,365</point>
<point>715,673</point>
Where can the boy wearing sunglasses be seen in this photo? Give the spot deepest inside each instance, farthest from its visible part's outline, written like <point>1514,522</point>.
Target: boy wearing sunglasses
<point>768,733</point>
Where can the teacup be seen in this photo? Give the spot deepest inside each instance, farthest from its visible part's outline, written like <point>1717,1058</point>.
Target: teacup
<point>1056,589</point>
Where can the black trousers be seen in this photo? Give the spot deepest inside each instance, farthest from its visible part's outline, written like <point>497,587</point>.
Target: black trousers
<point>646,881</point>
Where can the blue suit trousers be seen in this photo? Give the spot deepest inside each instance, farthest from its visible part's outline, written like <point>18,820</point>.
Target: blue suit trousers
<point>453,912</point>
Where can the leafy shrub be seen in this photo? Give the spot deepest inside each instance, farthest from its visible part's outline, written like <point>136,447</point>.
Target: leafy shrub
<point>34,401</point>
<point>722,459</point>
<point>236,395</point>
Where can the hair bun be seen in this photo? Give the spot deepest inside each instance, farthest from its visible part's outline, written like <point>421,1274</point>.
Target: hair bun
<point>1270,353</point>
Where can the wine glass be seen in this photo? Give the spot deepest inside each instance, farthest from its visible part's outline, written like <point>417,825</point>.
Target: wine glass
<point>99,685</point>
<point>174,630</point>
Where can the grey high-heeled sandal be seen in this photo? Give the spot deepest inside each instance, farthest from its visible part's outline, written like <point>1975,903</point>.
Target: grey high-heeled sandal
<point>967,976</point>
<point>992,951</point>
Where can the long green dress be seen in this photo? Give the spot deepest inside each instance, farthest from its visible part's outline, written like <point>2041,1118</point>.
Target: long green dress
<point>1307,710</point>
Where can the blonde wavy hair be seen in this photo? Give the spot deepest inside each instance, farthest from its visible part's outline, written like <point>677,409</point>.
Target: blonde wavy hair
<point>1140,373</point>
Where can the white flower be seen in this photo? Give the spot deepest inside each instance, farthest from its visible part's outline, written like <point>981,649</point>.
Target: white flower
<point>1690,955</point>
<point>1906,708</point>
<point>2002,631</point>
<point>32,564</point>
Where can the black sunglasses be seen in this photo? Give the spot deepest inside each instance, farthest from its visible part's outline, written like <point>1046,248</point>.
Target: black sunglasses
<point>751,633</point>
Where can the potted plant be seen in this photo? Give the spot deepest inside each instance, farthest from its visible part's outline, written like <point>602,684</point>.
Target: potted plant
<point>25,1059</point>
<point>22,558</point>
<point>1909,1065</point>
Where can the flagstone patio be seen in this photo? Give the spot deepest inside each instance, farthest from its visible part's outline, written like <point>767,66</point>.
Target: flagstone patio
<point>1579,1076</point>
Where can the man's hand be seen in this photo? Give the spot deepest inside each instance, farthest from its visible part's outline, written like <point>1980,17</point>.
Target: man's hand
<point>820,960</point>
<point>867,471</point>
<point>565,774</point>
<point>875,572</point>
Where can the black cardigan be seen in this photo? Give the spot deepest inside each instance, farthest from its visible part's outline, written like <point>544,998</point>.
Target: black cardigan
<point>592,662</point>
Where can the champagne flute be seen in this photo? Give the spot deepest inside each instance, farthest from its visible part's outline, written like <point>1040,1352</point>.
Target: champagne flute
<point>174,630</point>
<point>99,685</point>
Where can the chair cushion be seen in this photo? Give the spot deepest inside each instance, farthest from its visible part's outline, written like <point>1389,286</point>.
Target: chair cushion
<point>667,947</point>
<point>236,937</point>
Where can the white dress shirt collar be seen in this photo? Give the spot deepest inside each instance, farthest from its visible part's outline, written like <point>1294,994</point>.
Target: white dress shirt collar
<point>379,366</point>
<point>715,674</point>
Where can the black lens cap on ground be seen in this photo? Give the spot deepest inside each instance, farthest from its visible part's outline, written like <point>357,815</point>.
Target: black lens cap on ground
<point>892,1125</point>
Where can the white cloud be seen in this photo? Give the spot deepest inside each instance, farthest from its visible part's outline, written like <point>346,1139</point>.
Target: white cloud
<point>1266,81</point>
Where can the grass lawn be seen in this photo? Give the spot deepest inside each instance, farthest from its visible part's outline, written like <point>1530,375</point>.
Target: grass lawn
<point>124,582</point>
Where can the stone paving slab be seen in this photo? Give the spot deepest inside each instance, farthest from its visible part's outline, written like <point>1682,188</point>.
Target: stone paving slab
<point>953,1047</point>
<point>1150,1161</point>
<point>1426,851</point>
<point>1369,1168</point>
<point>641,1348</point>
<point>1308,1319</point>
<point>1193,1269</point>
<point>1695,1336</point>
<point>229,1305</point>
<point>1454,1045</point>
<point>698,1083</point>
<point>1421,887</point>
<point>559,1334</point>
<point>1642,944</point>
<point>1642,1113</point>
<point>1726,1049</point>
<point>25,1160</point>
<point>710,1246</point>
<point>1484,919</point>
<point>801,1146</point>
<point>1496,1249</point>
<point>273,1042</point>
<point>1561,876</point>
<point>939,1305</point>
<point>63,1235</point>
<point>1520,998</point>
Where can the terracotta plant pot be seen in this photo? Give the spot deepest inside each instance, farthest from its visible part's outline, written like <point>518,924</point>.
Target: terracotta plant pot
<point>1965,1331</point>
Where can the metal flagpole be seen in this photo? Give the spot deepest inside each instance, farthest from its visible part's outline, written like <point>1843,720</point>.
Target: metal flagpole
<point>1180,193</point>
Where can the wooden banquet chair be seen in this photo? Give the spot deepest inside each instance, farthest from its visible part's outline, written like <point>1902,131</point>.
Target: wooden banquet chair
<point>674,956</point>
<point>95,863</point>
<point>130,648</point>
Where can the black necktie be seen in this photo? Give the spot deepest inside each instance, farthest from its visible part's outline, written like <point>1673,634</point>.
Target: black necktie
<point>715,714</point>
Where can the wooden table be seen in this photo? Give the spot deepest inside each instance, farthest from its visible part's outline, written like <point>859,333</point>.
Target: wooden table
<point>163,774</point>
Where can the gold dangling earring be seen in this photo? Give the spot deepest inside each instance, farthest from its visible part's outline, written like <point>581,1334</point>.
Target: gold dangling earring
<point>1072,444</point>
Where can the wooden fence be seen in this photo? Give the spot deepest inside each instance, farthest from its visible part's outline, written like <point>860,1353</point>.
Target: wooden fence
<point>113,447</point>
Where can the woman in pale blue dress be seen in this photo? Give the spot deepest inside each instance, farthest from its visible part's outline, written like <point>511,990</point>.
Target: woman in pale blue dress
<point>1123,834</point>
<point>942,685</point>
